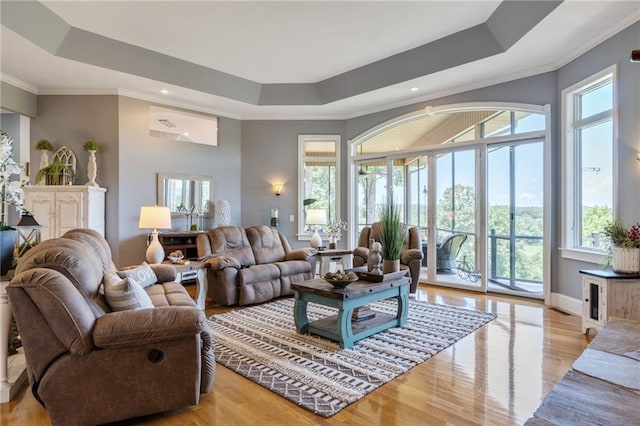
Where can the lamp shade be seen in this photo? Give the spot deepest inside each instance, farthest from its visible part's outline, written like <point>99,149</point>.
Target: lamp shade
<point>155,217</point>
<point>27,220</point>
<point>316,217</point>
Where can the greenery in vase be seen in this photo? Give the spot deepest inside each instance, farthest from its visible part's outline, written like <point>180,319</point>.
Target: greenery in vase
<point>393,233</point>
<point>44,145</point>
<point>621,236</point>
<point>54,170</point>
<point>91,146</point>
<point>11,193</point>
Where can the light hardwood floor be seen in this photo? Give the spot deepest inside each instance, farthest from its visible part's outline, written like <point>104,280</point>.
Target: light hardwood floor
<point>495,376</point>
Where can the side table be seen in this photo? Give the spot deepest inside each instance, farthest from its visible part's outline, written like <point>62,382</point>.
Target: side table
<point>18,371</point>
<point>194,270</point>
<point>328,256</point>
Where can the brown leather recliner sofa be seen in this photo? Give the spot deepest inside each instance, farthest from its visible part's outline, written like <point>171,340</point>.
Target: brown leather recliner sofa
<point>90,365</point>
<point>252,265</point>
<point>410,258</point>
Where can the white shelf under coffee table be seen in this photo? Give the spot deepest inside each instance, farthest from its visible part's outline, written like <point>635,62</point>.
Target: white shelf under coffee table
<point>340,327</point>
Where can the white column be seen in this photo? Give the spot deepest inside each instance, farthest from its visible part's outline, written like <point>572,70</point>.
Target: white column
<point>5,316</point>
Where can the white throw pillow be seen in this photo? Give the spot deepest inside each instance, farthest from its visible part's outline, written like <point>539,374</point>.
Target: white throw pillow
<point>142,275</point>
<point>123,294</point>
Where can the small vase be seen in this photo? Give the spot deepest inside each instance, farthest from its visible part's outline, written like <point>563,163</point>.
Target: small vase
<point>389,266</point>
<point>626,260</point>
<point>92,169</point>
<point>332,242</point>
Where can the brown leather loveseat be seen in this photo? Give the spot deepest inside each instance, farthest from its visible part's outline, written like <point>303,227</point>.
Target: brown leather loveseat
<point>89,364</point>
<point>252,265</point>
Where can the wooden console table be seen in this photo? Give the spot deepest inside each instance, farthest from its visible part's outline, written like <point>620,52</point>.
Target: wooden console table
<point>340,328</point>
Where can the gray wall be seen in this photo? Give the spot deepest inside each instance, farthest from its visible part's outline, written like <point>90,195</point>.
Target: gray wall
<point>73,120</point>
<point>142,156</point>
<point>270,155</point>
<point>615,50</point>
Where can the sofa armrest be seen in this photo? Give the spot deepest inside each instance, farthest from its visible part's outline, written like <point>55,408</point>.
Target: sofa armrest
<point>362,252</point>
<point>221,262</point>
<point>143,326</point>
<point>408,255</point>
<point>165,273</point>
<point>304,253</point>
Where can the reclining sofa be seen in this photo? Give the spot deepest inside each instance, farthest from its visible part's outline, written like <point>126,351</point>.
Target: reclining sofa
<point>88,364</point>
<point>252,265</point>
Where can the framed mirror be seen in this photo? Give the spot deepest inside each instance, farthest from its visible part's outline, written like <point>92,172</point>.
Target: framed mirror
<point>184,193</point>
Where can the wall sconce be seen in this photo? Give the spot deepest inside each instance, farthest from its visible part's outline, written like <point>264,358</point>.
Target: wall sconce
<point>277,188</point>
<point>635,56</point>
<point>638,156</point>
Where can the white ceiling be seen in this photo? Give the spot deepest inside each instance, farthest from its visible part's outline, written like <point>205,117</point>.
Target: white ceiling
<point>301,42</point>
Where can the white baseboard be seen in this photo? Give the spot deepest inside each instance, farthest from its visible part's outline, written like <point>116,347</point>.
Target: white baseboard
<point>566,304</point>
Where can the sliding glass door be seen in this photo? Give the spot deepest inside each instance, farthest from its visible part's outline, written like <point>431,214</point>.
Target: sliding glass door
<point>456,225</point>
<point>515,195</point>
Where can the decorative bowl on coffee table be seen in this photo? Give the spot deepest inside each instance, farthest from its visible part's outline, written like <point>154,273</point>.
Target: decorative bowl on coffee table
<point>340,283</point>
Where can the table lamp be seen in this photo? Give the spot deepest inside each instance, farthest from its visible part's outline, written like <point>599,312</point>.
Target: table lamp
<point>155,217</point>
<point>314,218</point>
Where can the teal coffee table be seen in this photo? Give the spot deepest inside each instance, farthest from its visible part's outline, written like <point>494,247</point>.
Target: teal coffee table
<point>340,327</point>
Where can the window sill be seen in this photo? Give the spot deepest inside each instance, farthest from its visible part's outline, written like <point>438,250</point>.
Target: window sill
<point>590,256</point>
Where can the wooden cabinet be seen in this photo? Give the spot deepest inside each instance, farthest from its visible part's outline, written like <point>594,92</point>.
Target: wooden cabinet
<point>183,241</point>
<point>607,294</point>
<point>61,208</point>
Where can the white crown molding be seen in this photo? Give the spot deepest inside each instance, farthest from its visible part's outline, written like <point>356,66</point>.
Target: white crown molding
<point>19,83</point>
<point>77,92</point>
<point>620,25</point>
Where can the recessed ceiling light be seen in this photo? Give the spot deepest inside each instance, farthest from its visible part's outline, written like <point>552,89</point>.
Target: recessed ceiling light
<point>164,91</point>
<point>186,133</point>
<point>414,89</point>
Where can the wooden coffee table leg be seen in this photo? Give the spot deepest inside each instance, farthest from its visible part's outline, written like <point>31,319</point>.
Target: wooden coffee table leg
<point>403,306</point>
<point>300,314</point>
<point>345,332</point>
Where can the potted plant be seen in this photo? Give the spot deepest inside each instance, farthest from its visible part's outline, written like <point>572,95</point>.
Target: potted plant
<point>44,146</point>
<point>334,230</point>
<point>625,247</point>
<point>10,195</point>
<point>54,174</point>
<point>92,147</point>
<point>392,238</point>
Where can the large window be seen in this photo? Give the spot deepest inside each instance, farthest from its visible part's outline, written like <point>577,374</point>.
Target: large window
<point>319,180</point>
<point>589,123</point>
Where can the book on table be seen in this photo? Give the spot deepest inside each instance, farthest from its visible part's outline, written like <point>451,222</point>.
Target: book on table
<point>362,313</point>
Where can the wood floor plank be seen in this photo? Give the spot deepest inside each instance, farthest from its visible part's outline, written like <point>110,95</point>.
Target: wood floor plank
<point>497,375</point>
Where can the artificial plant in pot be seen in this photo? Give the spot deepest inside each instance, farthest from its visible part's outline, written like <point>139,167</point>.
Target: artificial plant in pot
<point>44,146</point>
<point>625,247</point>
<point>92,147</point>
<point>392,237</point>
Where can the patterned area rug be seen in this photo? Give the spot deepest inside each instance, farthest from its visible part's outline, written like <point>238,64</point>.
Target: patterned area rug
<point>261,344</point>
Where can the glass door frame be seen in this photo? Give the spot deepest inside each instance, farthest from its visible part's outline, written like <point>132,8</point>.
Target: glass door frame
<point>481,146</point>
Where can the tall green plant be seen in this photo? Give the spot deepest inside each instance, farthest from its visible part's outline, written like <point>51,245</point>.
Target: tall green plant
<point>393,232</point>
